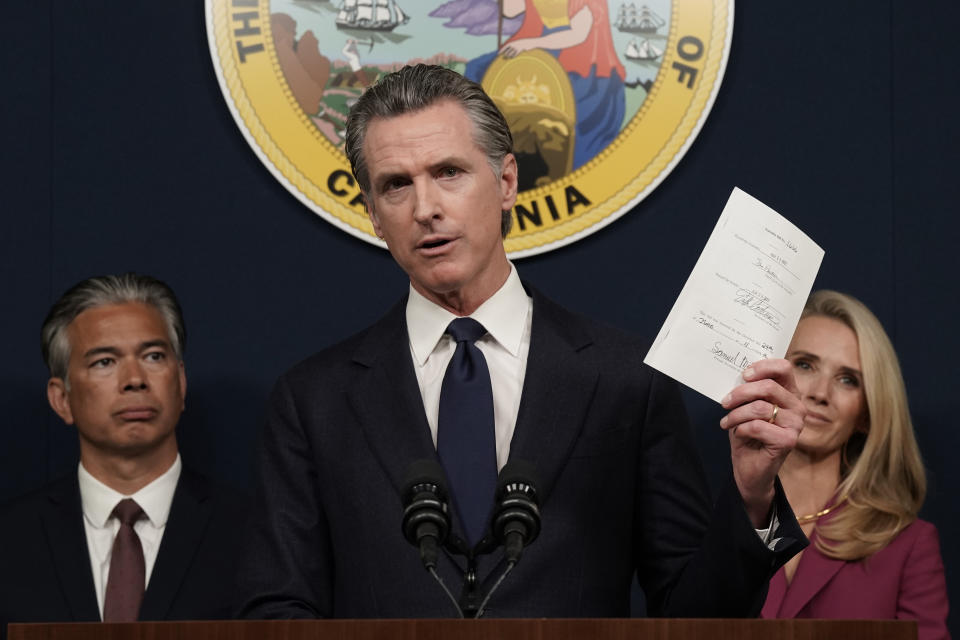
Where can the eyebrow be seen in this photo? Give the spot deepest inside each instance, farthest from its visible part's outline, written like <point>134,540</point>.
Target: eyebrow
<point>96,351</point>
<point>448,161</point>
<point>854,372</point>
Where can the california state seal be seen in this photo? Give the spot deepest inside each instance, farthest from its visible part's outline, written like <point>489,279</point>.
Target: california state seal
<point>603,98</point>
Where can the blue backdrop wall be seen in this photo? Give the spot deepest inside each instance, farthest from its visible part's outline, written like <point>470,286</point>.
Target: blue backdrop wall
<point>119,153</point>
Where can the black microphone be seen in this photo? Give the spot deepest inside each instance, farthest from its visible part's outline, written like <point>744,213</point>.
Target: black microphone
<point>516,521</point>
<point>426,522</point>
<point>516,517</point>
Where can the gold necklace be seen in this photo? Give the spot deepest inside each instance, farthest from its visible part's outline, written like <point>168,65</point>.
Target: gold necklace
<point>813,516</point>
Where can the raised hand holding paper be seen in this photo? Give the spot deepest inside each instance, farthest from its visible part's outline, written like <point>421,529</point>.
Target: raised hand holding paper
<point>742,300</point>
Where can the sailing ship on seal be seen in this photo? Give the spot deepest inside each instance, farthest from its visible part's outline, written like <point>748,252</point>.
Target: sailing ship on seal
<point>631,20</point>
<point>370,15</point>
<point>642,50</point>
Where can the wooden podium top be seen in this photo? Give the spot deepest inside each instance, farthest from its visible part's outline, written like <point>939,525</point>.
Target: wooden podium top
<point>543,629</point>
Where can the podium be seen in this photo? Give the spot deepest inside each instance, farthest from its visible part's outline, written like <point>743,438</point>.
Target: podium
<point>540,629</point>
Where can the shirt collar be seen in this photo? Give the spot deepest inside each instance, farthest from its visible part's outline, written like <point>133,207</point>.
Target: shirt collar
<point>499,314</point>
<point>155,499</point>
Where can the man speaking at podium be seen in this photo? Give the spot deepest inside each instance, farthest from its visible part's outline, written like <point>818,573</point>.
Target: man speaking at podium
<point>473,369</point>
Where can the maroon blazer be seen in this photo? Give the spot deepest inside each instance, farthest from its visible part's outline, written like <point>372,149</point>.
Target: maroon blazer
<point>905,580</point>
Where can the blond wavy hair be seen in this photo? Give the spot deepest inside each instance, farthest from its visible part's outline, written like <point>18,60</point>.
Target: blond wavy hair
<point>883,482</point>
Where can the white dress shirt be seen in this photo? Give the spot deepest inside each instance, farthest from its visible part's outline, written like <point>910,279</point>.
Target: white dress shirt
<point>98,501</point>
<point>507,316</point>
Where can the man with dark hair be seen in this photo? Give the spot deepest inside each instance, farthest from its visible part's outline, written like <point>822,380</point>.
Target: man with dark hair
<point>474,369</point>
<point>132,534</point>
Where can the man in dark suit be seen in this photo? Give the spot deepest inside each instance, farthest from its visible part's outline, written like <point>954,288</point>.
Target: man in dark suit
<point>621,491</point>
<point>132,534</point>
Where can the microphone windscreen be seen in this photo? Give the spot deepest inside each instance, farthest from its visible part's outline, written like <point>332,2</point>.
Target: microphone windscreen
<point>517,472</point>
<point>423,472</point>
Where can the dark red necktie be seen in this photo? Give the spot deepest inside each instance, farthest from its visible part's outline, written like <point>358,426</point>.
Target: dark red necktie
<point>121,601</point>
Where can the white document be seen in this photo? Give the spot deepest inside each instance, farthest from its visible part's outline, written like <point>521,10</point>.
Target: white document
<point>742,301</point>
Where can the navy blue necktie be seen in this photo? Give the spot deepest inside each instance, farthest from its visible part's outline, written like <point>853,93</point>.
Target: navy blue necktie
<point>465,429</point>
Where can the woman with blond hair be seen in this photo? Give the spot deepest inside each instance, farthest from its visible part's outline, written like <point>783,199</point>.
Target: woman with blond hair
<point>856,480</point>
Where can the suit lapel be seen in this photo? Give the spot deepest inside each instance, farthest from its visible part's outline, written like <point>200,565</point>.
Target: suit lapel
<point>813,573</point>
<point>386,398</point>
<point>389,408</point>
<point>775,594</point>
<point>558,386</point>
<point>62,522</point>
<point>186,526</point>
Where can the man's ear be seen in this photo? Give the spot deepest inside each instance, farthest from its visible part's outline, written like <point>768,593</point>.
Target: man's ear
<point>509,178</point>
<point>372,215</point>
<point>182,372</point>
<point>58,399</point>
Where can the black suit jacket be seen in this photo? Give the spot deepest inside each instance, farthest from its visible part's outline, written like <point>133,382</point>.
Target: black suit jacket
<point>45,573</point>
<point>622,489</point>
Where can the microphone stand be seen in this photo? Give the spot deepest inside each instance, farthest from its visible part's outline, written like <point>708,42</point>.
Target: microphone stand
<point>426,524</point>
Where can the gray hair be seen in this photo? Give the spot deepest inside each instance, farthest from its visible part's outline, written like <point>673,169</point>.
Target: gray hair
<point>103,291</point>
<point>417,87</point>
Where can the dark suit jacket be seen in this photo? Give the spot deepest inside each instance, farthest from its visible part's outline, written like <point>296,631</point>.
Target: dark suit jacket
<point>621,489</point>
<point>45,573</point>
<point>904,580</point>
